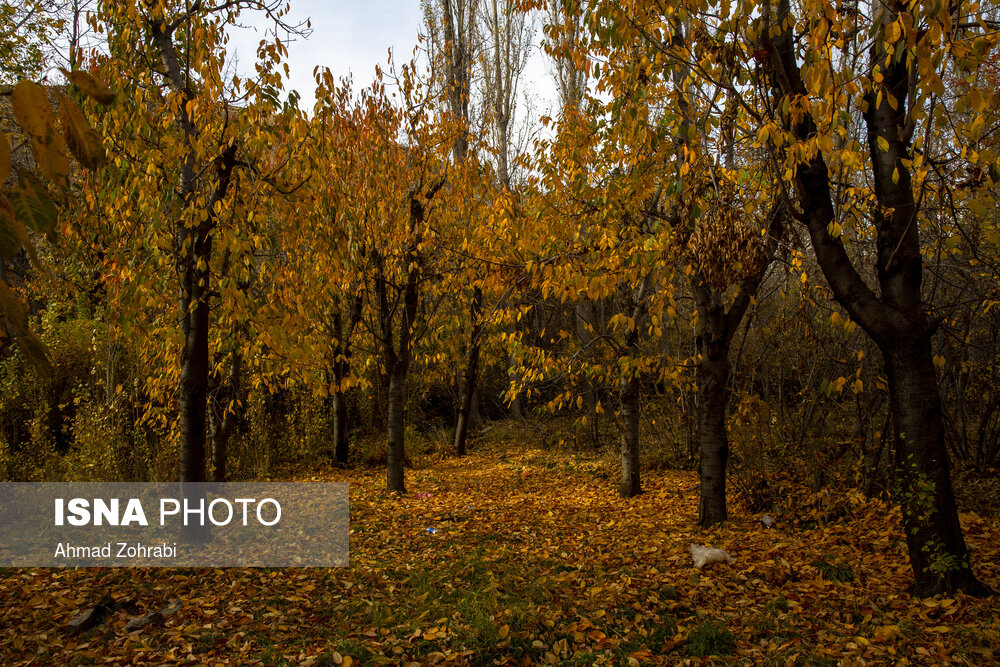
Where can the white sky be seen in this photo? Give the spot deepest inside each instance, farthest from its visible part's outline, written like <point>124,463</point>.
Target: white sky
<point>353,37</point>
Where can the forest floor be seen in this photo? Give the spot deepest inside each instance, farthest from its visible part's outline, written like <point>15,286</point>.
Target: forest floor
<point>534,559</point>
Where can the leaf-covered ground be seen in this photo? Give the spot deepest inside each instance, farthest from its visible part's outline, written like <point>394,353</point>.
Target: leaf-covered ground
<point>533,559</point>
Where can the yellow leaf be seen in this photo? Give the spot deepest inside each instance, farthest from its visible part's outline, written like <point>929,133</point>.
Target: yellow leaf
<point>81,137</point>
<point>32,109</point>
<point>35,116</point>
<point>886,633</point>
<point>91,86</point>
<point>976,100</point>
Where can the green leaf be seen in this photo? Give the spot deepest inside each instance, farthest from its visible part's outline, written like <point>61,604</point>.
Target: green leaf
<point>14,236</point>
<point>10,240</point>
<point>32,203</point>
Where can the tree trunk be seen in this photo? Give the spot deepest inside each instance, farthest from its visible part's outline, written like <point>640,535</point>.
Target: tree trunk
<point>471,374</point>
<point>193,386</point>
<point>630,484</point>
<point>515,411</point>
<point>476,409</point>
<point>223,426</point>
<point>934,539</point>
<point>341,448</point>
<point>220,450</point>
<point>896,319</point>
<point>586,326</point>
<point>193,390</point>
<point>395,453</point>
<point>713,441</point>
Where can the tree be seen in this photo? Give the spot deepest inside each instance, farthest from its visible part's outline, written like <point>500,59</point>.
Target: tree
<point>457,45</point>
<point>719,215</point>
<point>27,30</point>
<point>390,219</point>
<point>897,91</point>
<point>195,131</point>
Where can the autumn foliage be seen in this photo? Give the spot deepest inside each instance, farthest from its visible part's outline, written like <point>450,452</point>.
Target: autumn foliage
<point>738,287</point>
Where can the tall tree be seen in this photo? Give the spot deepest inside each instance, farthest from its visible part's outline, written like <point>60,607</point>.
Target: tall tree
<point>455,24</point>
<point>194,142</point>
<point>897,91</point>
<point>392,216</point>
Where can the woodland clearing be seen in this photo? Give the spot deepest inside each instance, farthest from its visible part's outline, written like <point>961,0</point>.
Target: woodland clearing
<point>535,559</point>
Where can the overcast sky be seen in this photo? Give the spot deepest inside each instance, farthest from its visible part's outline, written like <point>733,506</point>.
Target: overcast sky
<point>352,37</point>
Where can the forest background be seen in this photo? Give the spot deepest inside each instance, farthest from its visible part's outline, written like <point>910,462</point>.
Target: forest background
<point>758,240</point>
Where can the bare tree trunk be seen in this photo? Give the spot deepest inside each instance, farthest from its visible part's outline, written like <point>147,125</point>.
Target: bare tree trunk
<point>193,389</point>
<point>713,440</point>
<point>934,538</point>
<point>340,444</point>
<point>193,386</point>
<point>629,393</point>
<point>471,374</point>
<point>395,454</point>
<point>224,424</point>
<point>476,407</point>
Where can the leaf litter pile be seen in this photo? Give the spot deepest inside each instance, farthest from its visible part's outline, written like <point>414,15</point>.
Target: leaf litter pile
<point>525,556</point>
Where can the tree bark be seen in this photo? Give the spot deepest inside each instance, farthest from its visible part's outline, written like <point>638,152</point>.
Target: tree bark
<point>397,345</point>
<point>193,386</point>
<point>713,440</point>
<point>897,319</point>
<point>471,374</point>
<point>223,425</point>
<point>193,394</point>
<point>934,538</point>
<point>630,390</point>
<point>341,369</point>
<point>341,448</point>
<point>630,482</point>
<point>586,326</point>
<point>395,453</point>
<point>194,246</point>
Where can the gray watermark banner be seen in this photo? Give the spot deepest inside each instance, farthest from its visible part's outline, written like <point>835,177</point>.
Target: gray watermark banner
<point>124,524</point>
